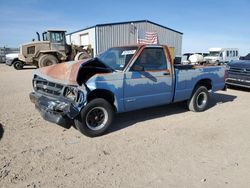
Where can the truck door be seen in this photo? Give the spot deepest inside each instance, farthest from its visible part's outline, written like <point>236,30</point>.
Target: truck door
<point>148,82</point>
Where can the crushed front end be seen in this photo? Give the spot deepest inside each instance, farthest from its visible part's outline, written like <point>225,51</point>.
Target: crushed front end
<point>57,103</point>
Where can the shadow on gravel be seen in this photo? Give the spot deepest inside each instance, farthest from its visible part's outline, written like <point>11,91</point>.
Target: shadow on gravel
<point>127,119</point>
<point>1,131</point>
<point>219,98</point>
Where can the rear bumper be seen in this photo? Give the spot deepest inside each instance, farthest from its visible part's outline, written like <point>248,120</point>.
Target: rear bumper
<point>56,111</point>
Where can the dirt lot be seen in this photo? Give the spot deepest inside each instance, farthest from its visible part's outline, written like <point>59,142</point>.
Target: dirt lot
<point>166,146</point>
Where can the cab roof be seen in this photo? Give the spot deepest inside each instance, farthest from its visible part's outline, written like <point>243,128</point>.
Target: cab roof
<point>60,30</point>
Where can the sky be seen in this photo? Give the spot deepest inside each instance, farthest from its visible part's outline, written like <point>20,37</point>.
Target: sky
<point>205,23</point>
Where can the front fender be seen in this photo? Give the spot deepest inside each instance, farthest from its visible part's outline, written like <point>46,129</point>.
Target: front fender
<point>112,82</point>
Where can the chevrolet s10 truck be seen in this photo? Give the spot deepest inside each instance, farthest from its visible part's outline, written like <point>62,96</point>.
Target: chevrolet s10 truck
<point>87,93</point>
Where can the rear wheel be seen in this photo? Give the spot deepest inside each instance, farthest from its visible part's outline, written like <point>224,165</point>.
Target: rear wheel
<point>199,100</point>
<point>18,65</point>
<point>47,60</point>
<point>217,62</point>
<point>95,118</point>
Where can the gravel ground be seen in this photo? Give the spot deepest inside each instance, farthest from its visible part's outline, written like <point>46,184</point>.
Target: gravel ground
<point>166,146</point>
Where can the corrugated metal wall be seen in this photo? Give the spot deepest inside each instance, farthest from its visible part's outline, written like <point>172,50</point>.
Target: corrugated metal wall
<point>126,34</point>
<point>75,38</point>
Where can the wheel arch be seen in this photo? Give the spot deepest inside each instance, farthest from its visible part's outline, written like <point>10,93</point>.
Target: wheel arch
<point>204,82</point>
<point>58,55</point>
<point>104,94</point>
<point>14,60</point>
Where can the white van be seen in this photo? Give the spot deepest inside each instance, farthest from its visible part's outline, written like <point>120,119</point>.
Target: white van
<point>222,55</point>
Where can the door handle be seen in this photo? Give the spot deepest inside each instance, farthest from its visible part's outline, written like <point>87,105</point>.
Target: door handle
<point>130,100</point>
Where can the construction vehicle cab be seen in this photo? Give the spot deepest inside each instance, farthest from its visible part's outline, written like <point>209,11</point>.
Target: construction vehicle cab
<point>56,38</point>
<point>52,49</point>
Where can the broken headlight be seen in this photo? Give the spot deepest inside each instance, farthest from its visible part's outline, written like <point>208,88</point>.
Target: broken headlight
<point>71,93</point>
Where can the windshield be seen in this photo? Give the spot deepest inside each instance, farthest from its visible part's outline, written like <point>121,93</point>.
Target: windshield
<point>118,58</point>
<point>214,53</point>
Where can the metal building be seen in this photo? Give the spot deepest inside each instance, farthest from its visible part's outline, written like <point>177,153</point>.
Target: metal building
<point>103,36</point>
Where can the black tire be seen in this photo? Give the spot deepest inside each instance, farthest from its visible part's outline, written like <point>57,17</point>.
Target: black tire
<point>47,60</point>
<point>217,62</point>
<point>81,56</point>
<point>98,111</point>
<point>199,99</point>
<point>18,65</point>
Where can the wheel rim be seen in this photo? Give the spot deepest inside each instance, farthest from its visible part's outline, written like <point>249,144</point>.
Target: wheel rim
<point>18,65</point>
<point>96,118</point>
<point>201,100</point>
<point>48,63</point>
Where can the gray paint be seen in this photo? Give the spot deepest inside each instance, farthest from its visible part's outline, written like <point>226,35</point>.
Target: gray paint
<point>125,33</point>
<point>122,34</point>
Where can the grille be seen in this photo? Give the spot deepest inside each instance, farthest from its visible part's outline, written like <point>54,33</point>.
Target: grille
<point>44,86</point>
<point>31,50</point>
<point>239,71</point>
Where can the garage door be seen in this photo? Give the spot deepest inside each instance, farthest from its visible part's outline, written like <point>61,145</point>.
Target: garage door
<point>84,39</point>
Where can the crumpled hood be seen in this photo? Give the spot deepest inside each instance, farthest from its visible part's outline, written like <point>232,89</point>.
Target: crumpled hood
<point>65,73</point>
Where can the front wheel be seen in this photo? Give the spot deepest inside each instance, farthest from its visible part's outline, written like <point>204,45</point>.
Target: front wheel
<point>81,56</point>
<point>95,118</point>
<point>199,100</point>
<point>47,60</point>
<point>18,65</point>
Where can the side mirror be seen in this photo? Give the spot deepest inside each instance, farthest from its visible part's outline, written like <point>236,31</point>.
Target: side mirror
<point>138,68</point>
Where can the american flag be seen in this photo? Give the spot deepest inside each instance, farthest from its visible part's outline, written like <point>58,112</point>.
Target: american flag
<point>147,38</point>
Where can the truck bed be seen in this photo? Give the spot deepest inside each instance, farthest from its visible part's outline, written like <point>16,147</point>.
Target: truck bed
<point>188,76</point>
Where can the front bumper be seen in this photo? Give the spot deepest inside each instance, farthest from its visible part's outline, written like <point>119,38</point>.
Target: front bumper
<point>9,61</point>
<point>56,111</point>
<point>238,82</point>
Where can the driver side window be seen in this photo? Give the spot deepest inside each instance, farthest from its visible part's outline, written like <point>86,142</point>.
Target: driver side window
<point>151,59</point>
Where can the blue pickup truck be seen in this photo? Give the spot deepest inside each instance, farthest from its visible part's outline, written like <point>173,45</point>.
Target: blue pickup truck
<point>87,94</point>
